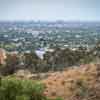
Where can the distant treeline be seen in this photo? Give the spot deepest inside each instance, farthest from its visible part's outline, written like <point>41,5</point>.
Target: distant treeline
<point>52,61</point>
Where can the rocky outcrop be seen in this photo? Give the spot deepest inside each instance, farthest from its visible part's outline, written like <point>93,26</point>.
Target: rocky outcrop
<point>2,56</point>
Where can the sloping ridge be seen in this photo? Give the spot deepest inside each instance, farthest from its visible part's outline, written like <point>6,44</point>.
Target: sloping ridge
<point>79,83</point>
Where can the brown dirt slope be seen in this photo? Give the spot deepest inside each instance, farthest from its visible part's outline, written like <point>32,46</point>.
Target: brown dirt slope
<point>79,83</point>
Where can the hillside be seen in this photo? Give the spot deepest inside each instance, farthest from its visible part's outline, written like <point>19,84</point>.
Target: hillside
<point>79,83</point>
<point>74,83</point>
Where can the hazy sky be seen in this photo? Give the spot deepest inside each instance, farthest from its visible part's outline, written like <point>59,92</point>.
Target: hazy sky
<point>50,10</point>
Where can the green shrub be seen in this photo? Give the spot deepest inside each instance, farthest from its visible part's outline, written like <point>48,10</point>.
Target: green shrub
<point>22,97</point>
<point>16,89</point>
<point>82,89</point>
<point>58,98</point>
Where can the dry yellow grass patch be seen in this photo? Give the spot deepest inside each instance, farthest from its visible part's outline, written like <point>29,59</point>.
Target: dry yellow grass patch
<point>81,83</point>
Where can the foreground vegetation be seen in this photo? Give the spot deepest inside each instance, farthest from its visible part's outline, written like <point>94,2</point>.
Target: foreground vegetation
<point>17,89</point>
<point>80,83</point>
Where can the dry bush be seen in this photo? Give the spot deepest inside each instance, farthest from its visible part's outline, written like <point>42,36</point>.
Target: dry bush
<point>75,83</point>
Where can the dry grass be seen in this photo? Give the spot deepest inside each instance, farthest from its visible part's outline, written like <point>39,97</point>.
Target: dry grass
<point>79,83</point>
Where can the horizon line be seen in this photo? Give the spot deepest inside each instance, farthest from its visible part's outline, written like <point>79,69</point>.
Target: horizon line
<point>59,20</point>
